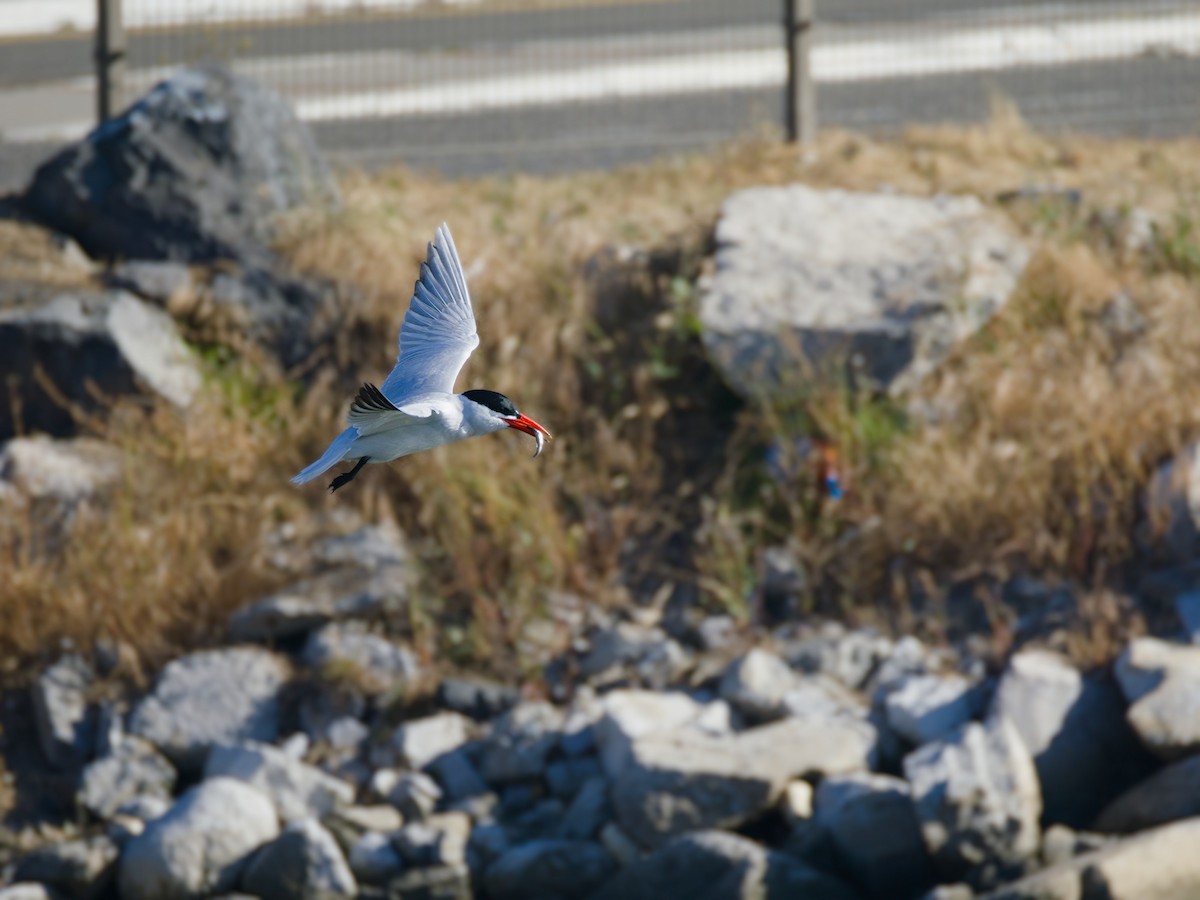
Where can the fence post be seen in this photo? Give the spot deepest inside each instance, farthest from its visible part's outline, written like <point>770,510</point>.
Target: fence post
<point>110,58</point>
<point>799,16</point>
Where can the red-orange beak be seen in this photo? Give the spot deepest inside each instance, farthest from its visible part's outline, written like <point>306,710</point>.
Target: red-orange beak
<point>530,427</point>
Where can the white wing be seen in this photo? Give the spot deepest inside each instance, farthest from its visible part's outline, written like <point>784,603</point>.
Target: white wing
<point>438,333</point>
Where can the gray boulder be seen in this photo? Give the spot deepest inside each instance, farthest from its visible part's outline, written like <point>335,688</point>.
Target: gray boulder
<point>200,846</point>
<point>717,865</point>
<point>1160,863</point>
<point>1161,681</point>
<point>303,863</point>
<point>26,890</point>
<point>923,708</point>
<point>212,697</point>
<point>348,650</point>
<point>589,811</point>
<point>82,868</point>
<point>432,883</point>
<point>848,656</point>
<point>978,800</point>
<point>65,729</point>
<point>373,859</point>
<point>671,783</point>
<point>297,789</point>
<point>1075,729</point>
<point>813,280</point>
<point>134,769</point>
<point>311,603</point>
<point>415,794</point>
<point>756,683</point>
<point>418,742</point>
<point>873,826</point>
<point>439,840</point>
<point>457,775</point>
<point>519,742</point>
<point>548,868</point>
<point>52,479</point>
<point>481,700</point>
<point>163,282</point>
<point>1168,795</point>
<point>1170,532</point>
<point>628,648</point>
<point>197,170</point>
<point>87,341</point>
<point>627,715</point>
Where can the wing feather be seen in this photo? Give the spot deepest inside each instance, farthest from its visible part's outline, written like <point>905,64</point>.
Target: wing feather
<point>438,334</point>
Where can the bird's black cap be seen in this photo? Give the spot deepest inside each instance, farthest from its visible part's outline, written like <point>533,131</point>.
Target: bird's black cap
<point>493,401</point>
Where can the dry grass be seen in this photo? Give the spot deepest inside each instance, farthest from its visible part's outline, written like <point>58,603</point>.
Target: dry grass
<point>654,483</point>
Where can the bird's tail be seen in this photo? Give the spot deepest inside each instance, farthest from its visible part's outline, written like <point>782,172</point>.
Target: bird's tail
<point>331,457</point>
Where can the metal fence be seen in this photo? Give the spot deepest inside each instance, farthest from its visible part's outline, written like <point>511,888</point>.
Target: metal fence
<point>543,84</point>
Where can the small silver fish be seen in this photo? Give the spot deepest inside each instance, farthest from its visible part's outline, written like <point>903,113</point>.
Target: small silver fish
<point>541,442</point>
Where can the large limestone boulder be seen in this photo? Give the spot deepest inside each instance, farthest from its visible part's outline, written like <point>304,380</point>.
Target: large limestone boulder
<point>87,343</point>
<point>212,697</point>
<point>1161,681</point>
<point>978,800</point>
<point>1161,864</point>
<point>672,783</point>
<point>197,170</point>
<point>809,281</point>
<point>200,846</point>
<point>1074,726</point>
<point>717,865</point>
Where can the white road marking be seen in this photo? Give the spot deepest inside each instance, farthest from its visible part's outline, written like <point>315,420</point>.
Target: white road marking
<point>917,53</point>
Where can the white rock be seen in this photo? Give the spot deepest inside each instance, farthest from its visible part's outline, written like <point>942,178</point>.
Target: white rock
<point>379,664</point>
<point>311,603</point>
<point>925,708</point>
<point>415,794</point>
<point>303,863</point>
<point>873,825</point>
<point>979,802</point>
<point>1074,727</point>
<point>1162,683</point>
<point>519,742</point>
<point>797,801</point>
<point>297,789</point>
<point>418,742</point>
<point>1161,863</point>
<point>133,770</point>
<point>439,840</point>
<point>60,707</point>
<point>717,864</point>
<point>673,782</point>
<point>756,683</point>
<point>212,697</point>
<point>631,714</point>
<point>200,845</point>
<point>548,868</point>
<point>374,860</point>
<point>889,282</point>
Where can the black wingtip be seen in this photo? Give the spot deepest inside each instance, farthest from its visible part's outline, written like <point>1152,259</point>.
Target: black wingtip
<point>370,399</point>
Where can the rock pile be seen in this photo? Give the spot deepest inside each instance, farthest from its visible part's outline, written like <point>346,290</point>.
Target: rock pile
<point>818,762</point>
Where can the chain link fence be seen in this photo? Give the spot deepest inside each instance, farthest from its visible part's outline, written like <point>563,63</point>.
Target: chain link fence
<point>545,84</point>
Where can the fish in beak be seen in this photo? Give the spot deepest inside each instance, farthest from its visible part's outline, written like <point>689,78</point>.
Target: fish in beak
<point>532,428</point>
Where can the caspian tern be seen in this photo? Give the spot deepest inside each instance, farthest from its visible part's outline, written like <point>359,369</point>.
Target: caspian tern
<point>417,409</point>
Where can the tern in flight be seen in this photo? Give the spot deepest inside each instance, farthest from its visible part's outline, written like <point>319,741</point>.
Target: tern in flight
<point>417,409</point>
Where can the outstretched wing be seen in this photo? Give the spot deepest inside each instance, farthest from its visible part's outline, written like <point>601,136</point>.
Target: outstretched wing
<point>372,412</point>
<point>438,333</point>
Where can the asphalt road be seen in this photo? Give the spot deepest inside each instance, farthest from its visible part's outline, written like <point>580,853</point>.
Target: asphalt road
<point>1145,96</point>
<point>59,57</point>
